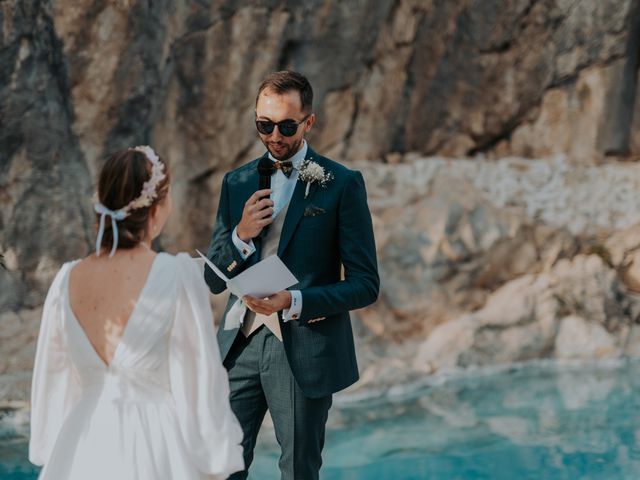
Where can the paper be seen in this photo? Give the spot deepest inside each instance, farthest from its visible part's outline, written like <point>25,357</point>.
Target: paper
<point>261,280</point>
<point>213,267</point>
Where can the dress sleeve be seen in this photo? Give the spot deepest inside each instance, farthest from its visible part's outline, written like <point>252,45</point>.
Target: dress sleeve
<point>54,386</point>
<point>199,382</point>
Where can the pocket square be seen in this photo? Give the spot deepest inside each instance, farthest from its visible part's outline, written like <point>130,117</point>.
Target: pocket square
<point>313,211</point>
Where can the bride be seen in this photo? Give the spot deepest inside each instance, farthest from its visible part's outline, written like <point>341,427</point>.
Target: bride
<point>128,381</point>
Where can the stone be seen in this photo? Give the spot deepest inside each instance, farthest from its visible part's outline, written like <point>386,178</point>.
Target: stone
<point>622,249</point>
<point>632,342</point>
<point>580,339</point>
<point>574,311</point>
<point>441,350</point>
<point>82,79</point>
<point>396,91</point>
<point>18,335</point>
<point>481,259</point>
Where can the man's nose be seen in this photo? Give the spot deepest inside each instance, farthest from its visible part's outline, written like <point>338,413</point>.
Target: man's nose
<point>275,135</point>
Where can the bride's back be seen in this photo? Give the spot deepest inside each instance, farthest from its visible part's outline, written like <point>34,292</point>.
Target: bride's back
<point>103,293</point>
<point>133,203</point>
<point>145,413</point>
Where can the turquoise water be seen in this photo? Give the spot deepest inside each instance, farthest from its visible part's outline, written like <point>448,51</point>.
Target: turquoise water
<point>537,422</point>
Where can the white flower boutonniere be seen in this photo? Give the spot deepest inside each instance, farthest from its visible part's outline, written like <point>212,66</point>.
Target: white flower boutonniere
<point>311,172</point>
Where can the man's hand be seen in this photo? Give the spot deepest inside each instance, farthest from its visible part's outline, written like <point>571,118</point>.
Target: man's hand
<point>275,303</point>
<point>256,215</point>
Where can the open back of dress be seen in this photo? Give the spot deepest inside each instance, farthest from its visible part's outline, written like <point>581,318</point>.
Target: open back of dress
<point>159,410</point>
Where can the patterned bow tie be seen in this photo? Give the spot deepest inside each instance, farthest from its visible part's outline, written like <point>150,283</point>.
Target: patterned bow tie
<point>286,166</point>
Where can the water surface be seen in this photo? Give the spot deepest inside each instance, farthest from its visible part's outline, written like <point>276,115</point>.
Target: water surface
<point>542,421</point>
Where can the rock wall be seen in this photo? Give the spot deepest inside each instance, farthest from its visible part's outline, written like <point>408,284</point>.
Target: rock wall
<point>531,78</point>
<point>489,262</point>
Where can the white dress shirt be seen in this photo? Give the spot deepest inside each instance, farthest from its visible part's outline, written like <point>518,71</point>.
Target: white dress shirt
<point>283,188</point>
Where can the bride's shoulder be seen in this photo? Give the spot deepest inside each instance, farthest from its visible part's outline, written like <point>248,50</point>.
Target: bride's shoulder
<point>66,267</point>
<point>61,274</point>
<point>178,258</point>
<point>189,270</point>
<point>187,264</point>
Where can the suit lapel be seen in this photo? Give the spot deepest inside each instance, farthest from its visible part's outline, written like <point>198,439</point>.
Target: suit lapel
<point>297,206</point>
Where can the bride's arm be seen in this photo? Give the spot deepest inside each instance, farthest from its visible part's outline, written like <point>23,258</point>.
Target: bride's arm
<point>54,388</point>
<point>199,382</point>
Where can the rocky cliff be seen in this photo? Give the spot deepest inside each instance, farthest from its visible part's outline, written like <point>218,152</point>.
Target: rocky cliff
<point>488,262</point>
<point>464,79</point>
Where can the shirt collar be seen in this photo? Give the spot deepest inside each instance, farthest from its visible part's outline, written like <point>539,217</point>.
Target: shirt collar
<point>297,159</point>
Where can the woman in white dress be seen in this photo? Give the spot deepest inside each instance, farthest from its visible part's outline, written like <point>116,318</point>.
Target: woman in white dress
<point>128,382</point>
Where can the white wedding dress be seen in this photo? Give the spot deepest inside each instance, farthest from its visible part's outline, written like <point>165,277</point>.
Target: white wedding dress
<point>160,410</point>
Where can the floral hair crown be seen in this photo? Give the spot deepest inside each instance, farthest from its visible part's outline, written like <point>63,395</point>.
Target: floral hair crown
<point>148,194</point>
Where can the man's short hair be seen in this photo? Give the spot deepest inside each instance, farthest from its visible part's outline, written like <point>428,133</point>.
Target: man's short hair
<point>285,81</point>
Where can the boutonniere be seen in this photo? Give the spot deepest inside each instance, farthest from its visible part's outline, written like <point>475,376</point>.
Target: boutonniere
<point>311,172</point>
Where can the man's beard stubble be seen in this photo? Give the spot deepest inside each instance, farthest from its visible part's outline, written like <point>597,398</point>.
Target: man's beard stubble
<point>288,152</point>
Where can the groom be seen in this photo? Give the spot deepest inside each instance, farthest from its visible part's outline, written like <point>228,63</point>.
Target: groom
<point>317,227</point>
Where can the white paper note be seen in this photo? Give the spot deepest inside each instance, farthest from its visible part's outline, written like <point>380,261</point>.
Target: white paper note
<point>213,267</point>
<point>261,280</point>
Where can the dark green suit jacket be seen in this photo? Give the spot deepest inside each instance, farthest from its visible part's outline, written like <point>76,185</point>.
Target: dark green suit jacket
<point>335,231</point>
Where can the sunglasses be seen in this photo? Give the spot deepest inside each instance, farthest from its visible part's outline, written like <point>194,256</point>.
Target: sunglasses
<point>287,128</point>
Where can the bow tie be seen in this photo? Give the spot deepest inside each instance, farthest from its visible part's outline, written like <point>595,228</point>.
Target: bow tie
<point>269,167</point>
<point>286,166</point>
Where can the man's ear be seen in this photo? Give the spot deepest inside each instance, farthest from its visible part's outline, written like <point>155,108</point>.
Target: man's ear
<point>308,123</point>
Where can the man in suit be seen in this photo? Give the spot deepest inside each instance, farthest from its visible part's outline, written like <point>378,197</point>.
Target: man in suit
<point>317,227</point>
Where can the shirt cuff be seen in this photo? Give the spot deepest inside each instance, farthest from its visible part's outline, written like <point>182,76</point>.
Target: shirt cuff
<point>245,249</point>
<point>293,313</point>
